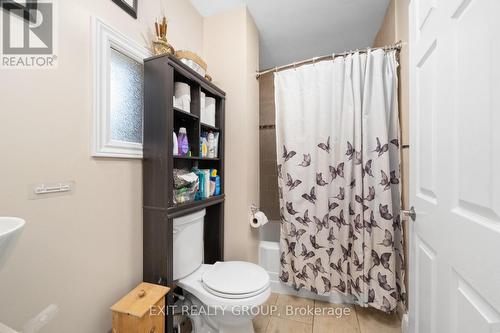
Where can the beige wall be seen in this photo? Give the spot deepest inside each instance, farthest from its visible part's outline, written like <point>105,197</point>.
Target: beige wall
<point>387,32</point>
<point>232,52</point>
<point>81,251</point>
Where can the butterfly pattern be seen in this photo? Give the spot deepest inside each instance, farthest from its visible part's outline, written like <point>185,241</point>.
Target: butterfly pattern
<point>339,207</point>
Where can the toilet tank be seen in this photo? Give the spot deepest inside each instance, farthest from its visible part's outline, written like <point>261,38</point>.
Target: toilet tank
<point>188,244</point>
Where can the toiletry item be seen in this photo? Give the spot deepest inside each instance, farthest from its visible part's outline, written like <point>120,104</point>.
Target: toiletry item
<point>182,96</point>
<point>204,147</point>
<point>211,145</point>
<point>207,183</point>
<point>213,173</point>
<point>201,185</point>
<point>217,185</point>
<point>216,144</point>
<point>176,145</point>
<point>204,183</point>
<point>214,183</point>
<point>182,141</point>
<point>216,179</point>
<point>203,144</point>
<point>212,188</point>
<point>258,219</point>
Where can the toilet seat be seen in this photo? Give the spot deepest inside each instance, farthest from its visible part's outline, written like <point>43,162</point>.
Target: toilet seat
<point>194,285</point>
<point>235,279</point>
<point>235,296</point>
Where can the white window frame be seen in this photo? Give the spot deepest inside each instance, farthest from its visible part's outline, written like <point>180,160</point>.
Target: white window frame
<point>104,38</point>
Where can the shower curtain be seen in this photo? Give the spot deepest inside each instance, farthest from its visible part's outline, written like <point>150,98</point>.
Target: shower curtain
<point>339,178</point>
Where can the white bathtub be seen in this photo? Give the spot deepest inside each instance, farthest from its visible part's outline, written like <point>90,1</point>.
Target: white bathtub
<point>269,259</point>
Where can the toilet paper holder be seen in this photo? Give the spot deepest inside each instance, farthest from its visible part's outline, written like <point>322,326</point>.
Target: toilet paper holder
<point>254,209</point>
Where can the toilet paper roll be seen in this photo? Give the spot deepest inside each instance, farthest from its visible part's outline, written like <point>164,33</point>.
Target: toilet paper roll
<point>258,220</point>
<point>182,96</point>
<point>208,114</point>
<point>181,88</point>
<point>202,103</point>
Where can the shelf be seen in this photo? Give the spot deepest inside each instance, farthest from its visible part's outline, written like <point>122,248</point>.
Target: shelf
<point>161,118</point>
<point>188,73</point>
<point>185,114</point>
<point>196,158</point>
<point>193,206</point>
<point>210,127</point>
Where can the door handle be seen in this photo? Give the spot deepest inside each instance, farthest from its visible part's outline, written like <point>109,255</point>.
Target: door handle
<point>410,213</point>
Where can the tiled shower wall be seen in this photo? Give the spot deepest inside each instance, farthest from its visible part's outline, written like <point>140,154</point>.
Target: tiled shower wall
<point>269,200</point>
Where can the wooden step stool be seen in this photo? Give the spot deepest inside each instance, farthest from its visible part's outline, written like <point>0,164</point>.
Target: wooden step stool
<point>141,311</point>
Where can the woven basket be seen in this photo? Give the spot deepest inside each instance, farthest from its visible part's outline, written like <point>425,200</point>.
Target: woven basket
<point>191,56</point>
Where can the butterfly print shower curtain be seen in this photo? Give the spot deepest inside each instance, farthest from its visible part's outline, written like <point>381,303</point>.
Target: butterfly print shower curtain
<point>339,178</point>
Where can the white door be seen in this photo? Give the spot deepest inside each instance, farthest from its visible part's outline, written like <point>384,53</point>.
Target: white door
<point>455,166</point>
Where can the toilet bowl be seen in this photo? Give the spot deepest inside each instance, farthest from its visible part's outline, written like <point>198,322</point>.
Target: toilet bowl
<point>223,297</point>
<point>230,309</point>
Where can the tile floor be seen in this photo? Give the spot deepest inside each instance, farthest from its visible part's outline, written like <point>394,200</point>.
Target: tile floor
<point>327,318</point>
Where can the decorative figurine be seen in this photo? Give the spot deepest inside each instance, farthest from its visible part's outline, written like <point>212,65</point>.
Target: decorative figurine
<point>161,45</point>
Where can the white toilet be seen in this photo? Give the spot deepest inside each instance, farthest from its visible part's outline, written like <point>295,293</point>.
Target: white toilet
<point>223,297</point>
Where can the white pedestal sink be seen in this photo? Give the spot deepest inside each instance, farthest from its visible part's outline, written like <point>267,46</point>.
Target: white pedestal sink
<point>10,228</point>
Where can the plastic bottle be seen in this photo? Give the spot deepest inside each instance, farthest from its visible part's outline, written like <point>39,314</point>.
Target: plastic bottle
<point>182,141</point>
<point>200,195</point>
<point>176,145</point>
<point>203,145</point>
<point>211,145</point>
<point>214,182</point>
<point>206,192</point>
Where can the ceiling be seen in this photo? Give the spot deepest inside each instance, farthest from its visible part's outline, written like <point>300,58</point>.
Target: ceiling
<point>294,30</point>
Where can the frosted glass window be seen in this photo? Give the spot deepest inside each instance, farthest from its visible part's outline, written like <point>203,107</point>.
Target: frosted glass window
<point>126,98</point>
<point>118,88</point>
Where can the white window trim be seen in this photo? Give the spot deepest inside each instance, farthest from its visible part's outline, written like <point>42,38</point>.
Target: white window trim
<point>103,39</point>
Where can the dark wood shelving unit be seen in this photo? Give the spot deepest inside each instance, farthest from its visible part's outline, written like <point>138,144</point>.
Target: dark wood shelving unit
<point>196,158</point>
<point>209,127</point>
<point>161,119</point>
<point>185,114</point>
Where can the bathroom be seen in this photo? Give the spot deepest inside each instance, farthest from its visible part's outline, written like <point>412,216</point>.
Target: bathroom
<point>89,216</point>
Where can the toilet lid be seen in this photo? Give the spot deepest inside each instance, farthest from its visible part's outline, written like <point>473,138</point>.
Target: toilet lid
<point>235,296</point>
<point>235,278</point>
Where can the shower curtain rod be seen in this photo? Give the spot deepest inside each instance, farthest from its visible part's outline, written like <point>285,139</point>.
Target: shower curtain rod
<point>396,47</point>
